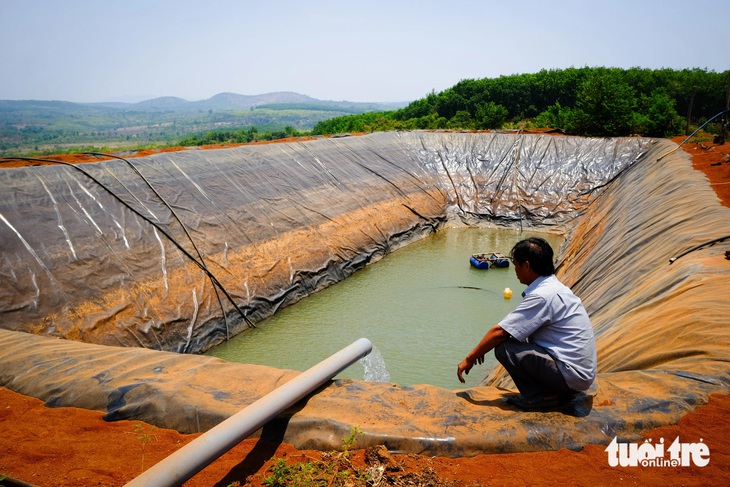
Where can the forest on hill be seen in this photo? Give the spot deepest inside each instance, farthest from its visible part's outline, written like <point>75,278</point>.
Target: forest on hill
<point>585,101</point>
<point>49,126</point>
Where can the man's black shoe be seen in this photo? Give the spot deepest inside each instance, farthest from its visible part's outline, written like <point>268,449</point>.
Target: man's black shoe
<point>534,403</point>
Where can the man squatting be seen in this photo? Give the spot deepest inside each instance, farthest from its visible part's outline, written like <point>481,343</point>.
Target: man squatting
<point>546,344</point>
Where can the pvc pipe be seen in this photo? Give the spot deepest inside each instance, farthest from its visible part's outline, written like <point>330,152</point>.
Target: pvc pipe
<point>202,451</point>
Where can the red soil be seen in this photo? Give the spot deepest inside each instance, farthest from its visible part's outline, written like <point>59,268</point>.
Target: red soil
<point>714,161</point>
<point>76,447</point>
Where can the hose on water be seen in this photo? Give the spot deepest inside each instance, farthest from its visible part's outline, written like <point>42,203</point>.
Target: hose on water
<point>202,266</point>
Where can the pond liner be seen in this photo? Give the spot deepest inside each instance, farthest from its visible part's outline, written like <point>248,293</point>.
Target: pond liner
<point>107,256</point>
<point>662,330</point>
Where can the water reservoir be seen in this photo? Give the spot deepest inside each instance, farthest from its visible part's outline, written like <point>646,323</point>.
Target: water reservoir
<point>424,308</point>
<point>104,295</point>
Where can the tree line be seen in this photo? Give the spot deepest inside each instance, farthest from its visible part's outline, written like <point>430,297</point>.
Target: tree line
<point>238,136</point>
<point>586,101</point>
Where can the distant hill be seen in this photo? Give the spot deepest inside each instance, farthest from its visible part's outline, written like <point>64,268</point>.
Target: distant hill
<point>221,101</point>
<point>162,103</point>
<point>41,125</point>
<point>233,101</point>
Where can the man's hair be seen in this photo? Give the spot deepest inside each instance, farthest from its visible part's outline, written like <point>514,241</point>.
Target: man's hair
<point>537,252</point>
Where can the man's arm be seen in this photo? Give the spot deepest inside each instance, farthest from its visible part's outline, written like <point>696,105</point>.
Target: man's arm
<point>494,337</point>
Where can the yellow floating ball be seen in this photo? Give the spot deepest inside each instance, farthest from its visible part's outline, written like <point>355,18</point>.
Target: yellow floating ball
<point>507,293</point>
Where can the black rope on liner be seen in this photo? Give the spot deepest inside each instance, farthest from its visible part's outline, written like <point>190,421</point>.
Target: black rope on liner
<point>697,247</point>
<point>200,256</point>
<point>709,242</point>
<point>202,266</point>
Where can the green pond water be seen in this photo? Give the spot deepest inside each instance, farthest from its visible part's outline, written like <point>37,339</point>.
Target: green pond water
<point>424,307</point>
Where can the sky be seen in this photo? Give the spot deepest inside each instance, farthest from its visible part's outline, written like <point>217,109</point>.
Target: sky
<point>365,51</point>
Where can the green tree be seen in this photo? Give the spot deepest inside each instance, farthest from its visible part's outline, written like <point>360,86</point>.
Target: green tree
<point>449,103</point>
<point>558,117</point>
<point>419,108</point>
<point>604,105</point>
<point>461,120</point>
<point>490,116</point>
<point>657,116</point>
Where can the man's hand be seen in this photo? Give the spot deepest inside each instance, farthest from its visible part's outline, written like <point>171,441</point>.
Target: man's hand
<point>494,337</point>
<point>466,365</point>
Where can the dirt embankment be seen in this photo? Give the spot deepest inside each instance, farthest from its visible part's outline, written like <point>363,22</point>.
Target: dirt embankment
<point>76,447</point>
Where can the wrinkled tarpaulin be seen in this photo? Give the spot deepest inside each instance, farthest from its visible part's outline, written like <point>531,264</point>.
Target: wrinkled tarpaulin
<point>387,186</point>
<point>271,223</point>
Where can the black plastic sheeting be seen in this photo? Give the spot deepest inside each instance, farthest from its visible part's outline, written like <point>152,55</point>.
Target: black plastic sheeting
<point>662,330</point>
<point>192,393</point>
<point>179,251</point>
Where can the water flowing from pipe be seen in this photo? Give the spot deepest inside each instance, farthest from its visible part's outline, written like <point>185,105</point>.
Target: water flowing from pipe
<point>374,365</point>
